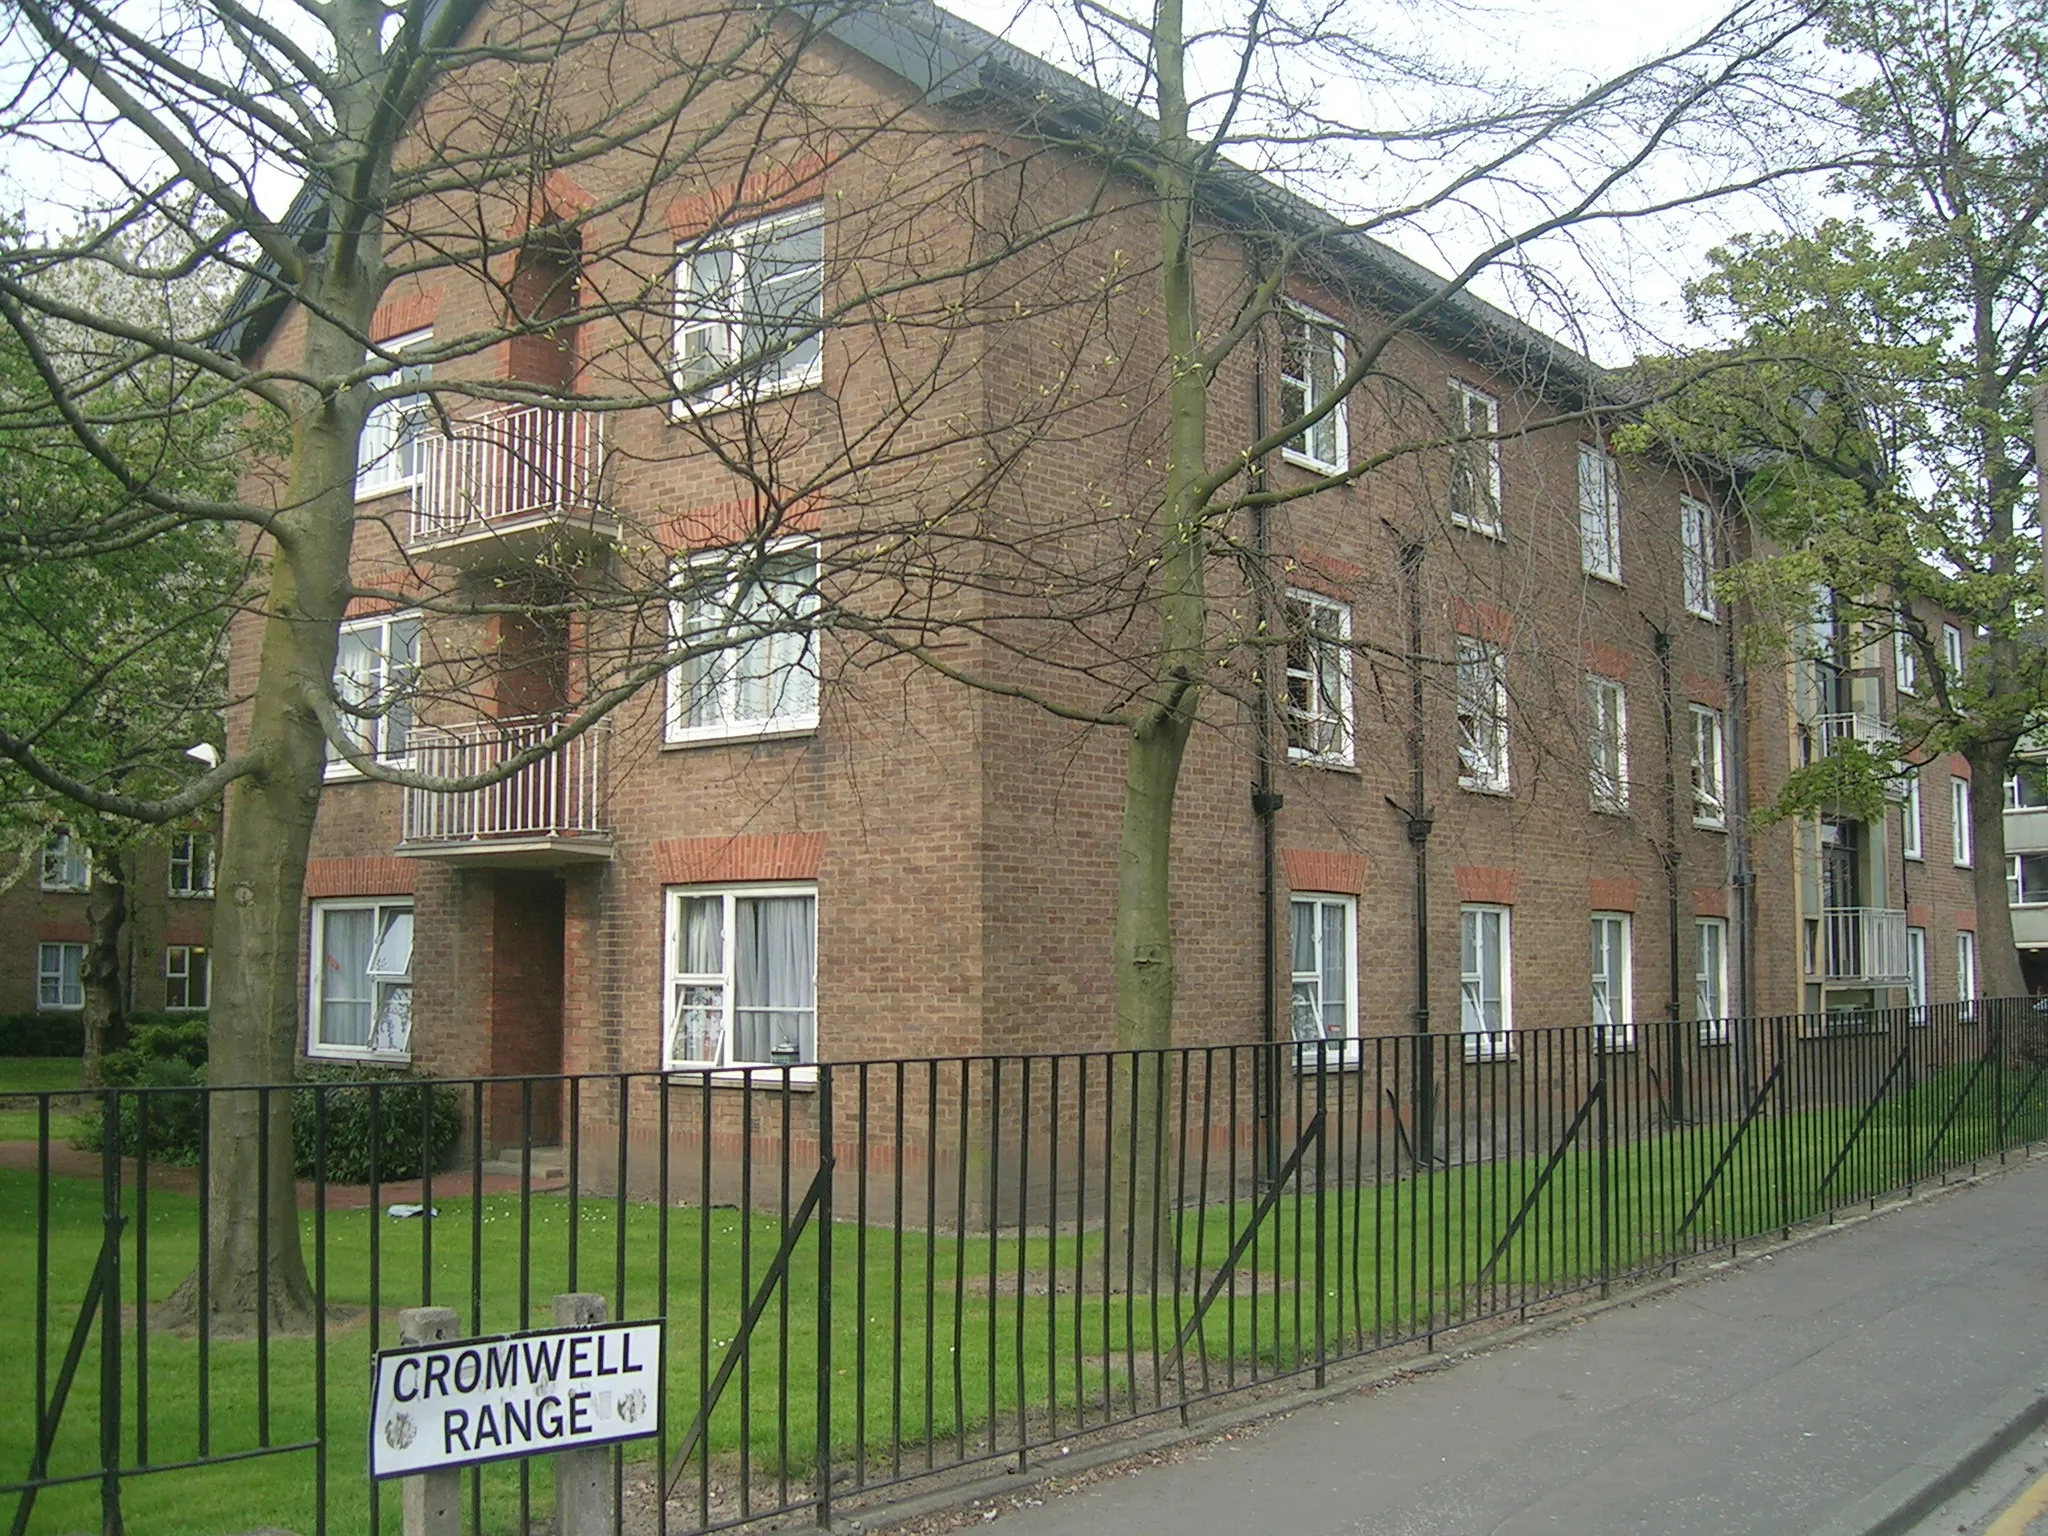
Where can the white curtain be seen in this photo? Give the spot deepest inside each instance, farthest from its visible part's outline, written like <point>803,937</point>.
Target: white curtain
<point>697,1007</point>
<point>344,982</point>
<point>775,980</point>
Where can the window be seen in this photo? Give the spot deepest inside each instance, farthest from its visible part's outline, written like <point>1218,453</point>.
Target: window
<point>1318,679</point>
<point>755,671</point>
<point>361,1003</point>
<point>374,669</point>
<point>1485,1006</point>
<point>1482,716</point>
<point>1916,973</point>
<point>1311,362</point>
<point>1325,994</point>
<point>2026,787</point>
<point>1696,521</point>
<point>60,981</point>
<point>390,455</point>
<point>1959,821</point>
<point>1599,514</point>
<point>742,977</point>
<point>1952,650</point>
<point>1607,743</point>
<point>1613,1004</point>
<point>1966,967</point>
<point>66,866</point>
<point>1910,845</point>
<point>1905,658</point>
<point>1475,466</point>
<point>1710,979</point>
<point>2026,879</point>
<point>1709,769</point>
<point>191,866</point>
<point>185,976</point>
<point>750,308</point>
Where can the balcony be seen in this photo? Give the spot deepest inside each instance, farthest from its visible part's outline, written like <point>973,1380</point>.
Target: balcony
<point>1827,733</point>
<point>548,814</point>
<point>500,488</point>
<point>1861,946</point>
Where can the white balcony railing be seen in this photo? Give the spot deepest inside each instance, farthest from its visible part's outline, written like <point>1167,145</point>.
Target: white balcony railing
<point>557,796</point>
<point>1859,944</point>
<point>521,464</point>
<point>1830,731</point>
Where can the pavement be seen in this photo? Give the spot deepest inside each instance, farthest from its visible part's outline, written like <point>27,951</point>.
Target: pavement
<point>1845,1385</point>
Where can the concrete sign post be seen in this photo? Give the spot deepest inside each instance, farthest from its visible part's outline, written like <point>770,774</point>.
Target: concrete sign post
<point>438,1403</point>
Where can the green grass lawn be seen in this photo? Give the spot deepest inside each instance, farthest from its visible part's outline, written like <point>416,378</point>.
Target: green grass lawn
<point>938,1346</point>
<point>35,1074</point>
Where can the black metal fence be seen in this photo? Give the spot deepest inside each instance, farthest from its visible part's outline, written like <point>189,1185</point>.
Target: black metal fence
<point>877,1271</point>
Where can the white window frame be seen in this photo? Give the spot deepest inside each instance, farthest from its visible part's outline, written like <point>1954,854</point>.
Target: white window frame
<point>50,974</point>
<point>1912,841</point>
<point>384,981</point>
<point>1607,742</point>
<point>1966,969</point>
<point>1599,513</point>
<point>2031,771</point>
<point>179,962</point>
<point>1341,1049</point>
<point>675,980</point>
<point>1952,651</point>
<point>714,324</point>
<point>1905,659</point>
<point>1696,524</point>
<point>1710,980</point>
<point>191,855</point>
<point>1476,412</point>
<point>1482,669</point>
<point>1916,972</point>
<point>1961,839</point>
<point>1475,920</point>
<point>773,659</point>
<point>386,737</point>
<point>388,455</point>
<point>1321,628</point>
<point>2016,886</point>
<point>1709,768</point>
<point>66,861</point>
<point>1614,1008</point>
<point>1325,446</point>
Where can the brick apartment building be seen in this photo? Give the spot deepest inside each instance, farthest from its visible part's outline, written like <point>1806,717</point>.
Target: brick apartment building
<point>164,957</point>
<point>781,858</point>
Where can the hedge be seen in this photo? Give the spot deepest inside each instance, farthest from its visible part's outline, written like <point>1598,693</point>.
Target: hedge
<point>42,1034</point>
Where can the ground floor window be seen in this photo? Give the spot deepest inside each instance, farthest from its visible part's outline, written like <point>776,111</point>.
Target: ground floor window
<point>185,976</point>
<point>60,979</point>
<point>742,977</point>
<point>1613,989</point>
<point>1916,973</point>
<point>1324,988</point>
<point>361,1001</point>
<point>1966,969</point>
<point>1485,1002</point>
<point>1710,979</point>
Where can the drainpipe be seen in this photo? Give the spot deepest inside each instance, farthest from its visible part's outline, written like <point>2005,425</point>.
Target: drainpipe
<point>1660,641</point>
<point>1420,822</point>
<point>1741,874</point>
<point>1266,801</point>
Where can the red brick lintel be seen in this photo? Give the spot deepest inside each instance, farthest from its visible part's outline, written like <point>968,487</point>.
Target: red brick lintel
<point>360,877</point>
<point>1476,882</point>
<point>723,860</point>
<point>1341,874</point>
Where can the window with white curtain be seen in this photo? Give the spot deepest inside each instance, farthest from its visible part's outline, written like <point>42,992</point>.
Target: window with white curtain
<point>1324,987</point>
<point>1710,979</point>
<point>1599,514</point>
<point>1485,996</point>
<point>741,977</point>
<point>391,453</point>
<point>1311,362</point>
<point>1709,769</point>
<point>1607,743</point>
<point>1696,521</point>
<point>750,308</point>
<point>60,976</point>
<point>1318,679</point>
<point>748,617</point>
<point>376,666</point>
<point>1613,987</point>
<point>1475,463</point>
<point>361,995</point>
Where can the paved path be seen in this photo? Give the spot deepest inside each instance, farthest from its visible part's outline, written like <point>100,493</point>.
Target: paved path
<point>1762,1399</point>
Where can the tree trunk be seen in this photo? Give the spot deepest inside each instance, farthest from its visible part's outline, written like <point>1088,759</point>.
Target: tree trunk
<point>106,914</point>
<point>1998,958</point>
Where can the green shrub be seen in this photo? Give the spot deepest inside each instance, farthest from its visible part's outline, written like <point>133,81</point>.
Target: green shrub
<point>416,1122</point>
<point>42,1034</point>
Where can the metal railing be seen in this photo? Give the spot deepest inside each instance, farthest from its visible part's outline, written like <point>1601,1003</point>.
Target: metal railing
<point>878,1270</point>
<point>1861,944</point>
<point>1831,730</point>
<point>559,795</point>
<point>515,464</point>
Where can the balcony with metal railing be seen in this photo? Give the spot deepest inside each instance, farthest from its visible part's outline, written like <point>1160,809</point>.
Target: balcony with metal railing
<point>548,813</point>
<point>502,486</point>
<point>1862,946</point>
<point>1830,732</point>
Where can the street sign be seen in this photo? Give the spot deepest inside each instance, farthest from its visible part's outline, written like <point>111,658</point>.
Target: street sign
<point>526,1394</point>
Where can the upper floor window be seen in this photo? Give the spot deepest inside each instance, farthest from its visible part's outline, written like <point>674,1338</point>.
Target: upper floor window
<point>2026,879</point>
<point>375,667</point>
<point>750,308</point>
<point>742,977</point>
<point>1318,679</point>
<point>1324,990</point>
<point>1696,521</point>
<point>746,621</point>
<point>1952,650</point>
<point>66,866</point>
<point>1599,514</point>
<point>1475,464</point>
<point>391,454</point>
<point>191,864</point>
<point>1607,742</point>
<point>2026,787</point>
<point>361,992</point>
<point>1905,658</point>
<point>1482,715</point>
<point>1709,768</point>
<point>1311,362</point>
<point>1960,833</point>
<point>1910,845</point>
